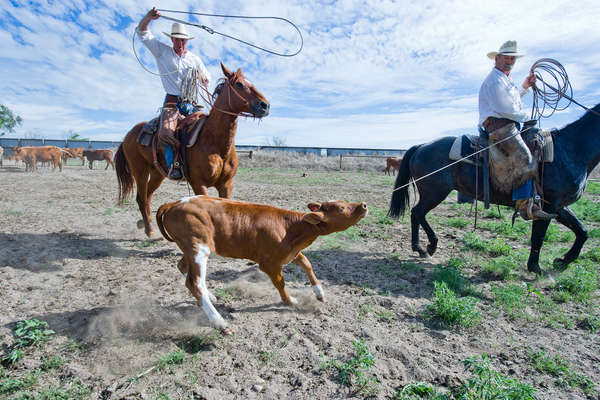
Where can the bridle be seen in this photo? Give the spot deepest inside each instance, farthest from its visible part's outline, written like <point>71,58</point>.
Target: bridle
<point>227,85</point>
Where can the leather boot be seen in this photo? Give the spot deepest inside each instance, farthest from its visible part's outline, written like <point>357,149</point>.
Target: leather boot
<point>175,172</point>
<point>531,210</point>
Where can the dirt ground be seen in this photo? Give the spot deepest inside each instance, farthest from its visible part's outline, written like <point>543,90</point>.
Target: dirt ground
<point>69,256</point>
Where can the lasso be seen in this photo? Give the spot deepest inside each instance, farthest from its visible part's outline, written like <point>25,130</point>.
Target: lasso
<point>546,97</point>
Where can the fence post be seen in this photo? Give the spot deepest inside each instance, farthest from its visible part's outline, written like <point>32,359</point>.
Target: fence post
<point>250,155</point>
<point>340,162</point>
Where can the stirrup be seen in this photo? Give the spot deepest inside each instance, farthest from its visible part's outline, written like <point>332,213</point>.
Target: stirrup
<point>175,172</point>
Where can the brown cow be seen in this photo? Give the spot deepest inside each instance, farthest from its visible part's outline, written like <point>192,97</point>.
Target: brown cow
<point>32,154</point>
<point>74,152</point>
<point>393,164</point>
<point>99,155</point>
<point>269,236</point>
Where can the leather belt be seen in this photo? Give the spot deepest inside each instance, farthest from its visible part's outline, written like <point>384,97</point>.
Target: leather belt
<point>492,123</point>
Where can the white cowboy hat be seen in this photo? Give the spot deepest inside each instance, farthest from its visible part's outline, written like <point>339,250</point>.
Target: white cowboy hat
<point>179,31</point>
<point>508,48</point>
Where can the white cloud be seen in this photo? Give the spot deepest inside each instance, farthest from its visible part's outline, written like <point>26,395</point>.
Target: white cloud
<point>404,72</point>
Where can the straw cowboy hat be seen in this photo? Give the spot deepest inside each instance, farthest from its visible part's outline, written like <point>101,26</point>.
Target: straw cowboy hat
<point>178,31</point>
<point>509,48</point>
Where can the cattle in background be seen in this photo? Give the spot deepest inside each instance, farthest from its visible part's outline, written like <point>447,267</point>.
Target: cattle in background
<point>99,155</point>
<point>74,152</point>
<point>393,164</point>
<point>31,155</point>
<point>1,155</point>
<point>269,236</point>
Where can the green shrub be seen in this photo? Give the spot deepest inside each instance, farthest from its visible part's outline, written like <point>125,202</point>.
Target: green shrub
<point>352,373</point>
<point>512,298</point>
<point>488,384</point>
<point>578,281</point>
<point>451,309</point>
<point>420,391</point>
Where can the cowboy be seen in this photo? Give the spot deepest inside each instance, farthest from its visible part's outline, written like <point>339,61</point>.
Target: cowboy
<point>512,166</point>
<point>174,64</point>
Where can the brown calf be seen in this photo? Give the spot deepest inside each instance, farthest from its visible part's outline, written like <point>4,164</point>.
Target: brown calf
<point>393,164</point>
<point>269,236</point>
<point>74,152</point>
<point>32,154</point>
<point>99,155</point>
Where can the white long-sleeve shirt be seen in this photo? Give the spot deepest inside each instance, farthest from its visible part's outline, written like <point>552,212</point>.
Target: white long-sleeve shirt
<point>499,97</point>
<point>168,61</point>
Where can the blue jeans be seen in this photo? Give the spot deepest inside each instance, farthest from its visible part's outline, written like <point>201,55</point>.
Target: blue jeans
<point>525,191</point>
<point>169,156</point>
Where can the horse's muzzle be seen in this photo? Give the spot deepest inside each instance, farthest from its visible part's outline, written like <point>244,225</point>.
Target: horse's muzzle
<point>260,108</point>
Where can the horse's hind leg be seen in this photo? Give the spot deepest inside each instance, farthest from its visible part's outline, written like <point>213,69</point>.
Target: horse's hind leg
<point>568,219</point>
<point>417,217</point>
<point>156,179</point>
<point>141,181</point>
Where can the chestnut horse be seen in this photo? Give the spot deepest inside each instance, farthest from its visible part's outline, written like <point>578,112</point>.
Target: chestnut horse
<point>212,160</point>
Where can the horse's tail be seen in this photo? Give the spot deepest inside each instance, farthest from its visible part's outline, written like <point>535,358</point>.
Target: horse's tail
<point>123,175</point>
<point>400,199</point>
<point>160,214</point>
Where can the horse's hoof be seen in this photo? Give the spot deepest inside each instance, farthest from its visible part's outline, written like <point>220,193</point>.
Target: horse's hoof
<point>140,224</point>
<point>422,253</point>
<point>535,269</point>
<point>431,249</point>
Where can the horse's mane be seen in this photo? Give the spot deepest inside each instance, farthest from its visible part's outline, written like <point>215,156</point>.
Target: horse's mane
<point>586,119</point>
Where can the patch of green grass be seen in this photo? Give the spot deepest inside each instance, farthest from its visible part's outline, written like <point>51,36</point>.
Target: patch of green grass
<point>488,384</point>
<point>196,343</point>
<point>453,278</point>
<point>51,363</point>
<point>457,222</point>
<point>592,188</point>
<point>109,211</point>
<point>495,247</point>
<point>175,357</point>
<point>519,230</point>
<point>266,356</point>
<point>75,391</point>
<point>142,244</point>
<point>555,234</point>
<point>12,385</point>
<point>13,213</point>
<point>385,315</point>
<point>354,233</point>
<point>594,233</point>
<point>512,298</point>
<point>74,345</point>
<point>451,309</point>
<point>353,372</point>
<point>420,391</point>
<point>590,322</point>
<point>31,332</point>
<point>593,255</point>
<point>364,310</point>
<point>503,268</point>
<point>226,295</point>
<point>561,369</point>
<point>587,210</point>
<point>379,216</point>
<point>579,282</point>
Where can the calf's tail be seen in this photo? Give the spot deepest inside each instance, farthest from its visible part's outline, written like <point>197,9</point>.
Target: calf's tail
<point>160,214</point>
<point>400,197</point>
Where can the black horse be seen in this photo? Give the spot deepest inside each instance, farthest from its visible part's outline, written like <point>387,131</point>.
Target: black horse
<point>576,153</point>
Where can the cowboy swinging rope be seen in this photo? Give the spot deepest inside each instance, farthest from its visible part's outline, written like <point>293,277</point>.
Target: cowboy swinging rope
<point>549,101</point>
<point>212,31</point>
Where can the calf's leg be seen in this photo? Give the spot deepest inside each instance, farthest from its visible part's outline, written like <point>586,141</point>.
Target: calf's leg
<point>303,262</point>
<point>196,284</point>
<point>274,272</point>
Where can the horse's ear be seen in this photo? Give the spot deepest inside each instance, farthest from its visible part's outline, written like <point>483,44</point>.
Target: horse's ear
<point>227,72</point>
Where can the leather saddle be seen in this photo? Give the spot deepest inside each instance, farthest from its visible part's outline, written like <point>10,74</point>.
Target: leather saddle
<point>187,133</point>
<point>539,142</point>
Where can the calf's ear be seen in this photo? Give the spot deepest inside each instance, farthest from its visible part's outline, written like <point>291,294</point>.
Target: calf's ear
<point>314,206</point>
<point>313,218</point>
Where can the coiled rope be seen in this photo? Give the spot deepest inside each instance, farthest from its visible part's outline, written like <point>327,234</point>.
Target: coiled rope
<point>546,97</point>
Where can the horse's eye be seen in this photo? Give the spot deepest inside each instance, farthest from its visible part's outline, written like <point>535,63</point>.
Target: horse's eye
<point>239,85</point>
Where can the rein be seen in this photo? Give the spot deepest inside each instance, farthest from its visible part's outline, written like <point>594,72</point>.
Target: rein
<point>210,99</point>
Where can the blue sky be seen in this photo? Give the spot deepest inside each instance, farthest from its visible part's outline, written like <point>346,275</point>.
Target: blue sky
<point>376,74</point>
